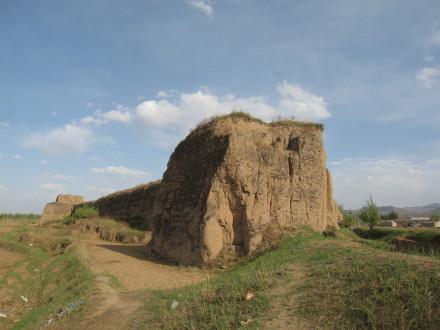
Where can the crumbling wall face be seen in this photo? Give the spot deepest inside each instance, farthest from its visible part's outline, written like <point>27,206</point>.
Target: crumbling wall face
<point>273,178</point>
<point>234,185</point>
<point>74,199</point>
<point>134,206</point>
<point>181,198</point>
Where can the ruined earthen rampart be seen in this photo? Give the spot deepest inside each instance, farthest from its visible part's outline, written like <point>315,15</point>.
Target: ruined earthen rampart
<point>134,206</point>
<point>233,185</point>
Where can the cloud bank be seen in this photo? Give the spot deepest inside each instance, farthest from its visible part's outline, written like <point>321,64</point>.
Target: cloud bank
<point>64,141</point>
<point>168,117</point>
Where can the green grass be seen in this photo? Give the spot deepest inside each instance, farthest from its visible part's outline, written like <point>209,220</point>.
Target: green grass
<point>388,234</point>
<point>220,302</point>
<point>114,281</point>
<point>346,285</point>
<point>85,212</point>
<point>370,289</point>
<point>49,282</point>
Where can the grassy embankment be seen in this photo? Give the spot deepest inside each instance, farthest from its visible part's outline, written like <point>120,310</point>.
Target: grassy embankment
<point>50,275</point>
<point>324,282</point>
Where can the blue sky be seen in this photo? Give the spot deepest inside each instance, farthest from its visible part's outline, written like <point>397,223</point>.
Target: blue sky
<point>96,94</point>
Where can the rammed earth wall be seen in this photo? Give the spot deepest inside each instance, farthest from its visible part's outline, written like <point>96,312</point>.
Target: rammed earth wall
<point>231,186</point>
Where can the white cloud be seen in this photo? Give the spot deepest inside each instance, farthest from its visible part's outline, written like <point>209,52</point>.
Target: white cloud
<point>301,103</point>
<point>119,170</point>
<point>162,94</point>
<point>428,76</point>
<point>4,124</point>
<point>2,154</point>
<point>62,177</point>
<point>44,162</point>
<point>117,115</point>
<point>120,114</point>
<point>102,190</point>
<point>429,59</point>
<point>2,187</point>
<point>16,156</point>
<point>52,186</point>
<point>66,141</point>
<point>186,109</point>
<point>202,5</point>
<point>392,180</point>
<point>435,39</point>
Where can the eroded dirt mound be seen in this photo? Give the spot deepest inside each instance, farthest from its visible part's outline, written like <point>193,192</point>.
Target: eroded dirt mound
<point>111,235</point>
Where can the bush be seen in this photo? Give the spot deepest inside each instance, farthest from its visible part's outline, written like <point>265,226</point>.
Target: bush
<point>85,212</point>
<point>82,212</point>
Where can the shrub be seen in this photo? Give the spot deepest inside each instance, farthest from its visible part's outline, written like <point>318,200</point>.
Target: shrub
<point>85,212</point>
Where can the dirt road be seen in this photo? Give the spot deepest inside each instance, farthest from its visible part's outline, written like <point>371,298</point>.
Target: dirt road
<point>135,273</point>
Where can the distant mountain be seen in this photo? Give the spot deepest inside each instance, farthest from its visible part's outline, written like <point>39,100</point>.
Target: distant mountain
<point>411,212</point>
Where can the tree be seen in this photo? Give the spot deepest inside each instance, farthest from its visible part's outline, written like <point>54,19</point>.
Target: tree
<point>434,217</point>
<point>369,213</point>
<point>393,215</point>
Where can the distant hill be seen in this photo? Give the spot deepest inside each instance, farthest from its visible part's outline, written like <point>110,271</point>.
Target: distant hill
<point>410,212</point>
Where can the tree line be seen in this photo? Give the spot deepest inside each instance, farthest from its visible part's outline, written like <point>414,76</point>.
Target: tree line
<point>19,216</point>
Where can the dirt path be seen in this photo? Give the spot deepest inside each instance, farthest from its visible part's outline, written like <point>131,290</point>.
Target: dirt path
<point>135,271</point>
<point>129,264</point>
<point>283,316</point>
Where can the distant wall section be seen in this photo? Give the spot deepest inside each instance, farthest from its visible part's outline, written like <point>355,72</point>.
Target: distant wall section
<point>134,206</point>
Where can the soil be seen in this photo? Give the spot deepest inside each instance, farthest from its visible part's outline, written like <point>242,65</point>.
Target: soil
<point>135,273</point>
<point>7,260</point>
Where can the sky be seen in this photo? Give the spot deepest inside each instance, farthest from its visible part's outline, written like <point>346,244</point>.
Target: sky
<point>96,94</point>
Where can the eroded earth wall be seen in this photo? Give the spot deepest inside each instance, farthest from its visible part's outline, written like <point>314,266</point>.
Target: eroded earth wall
<point>234,184</point>
<point>134,206</point>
